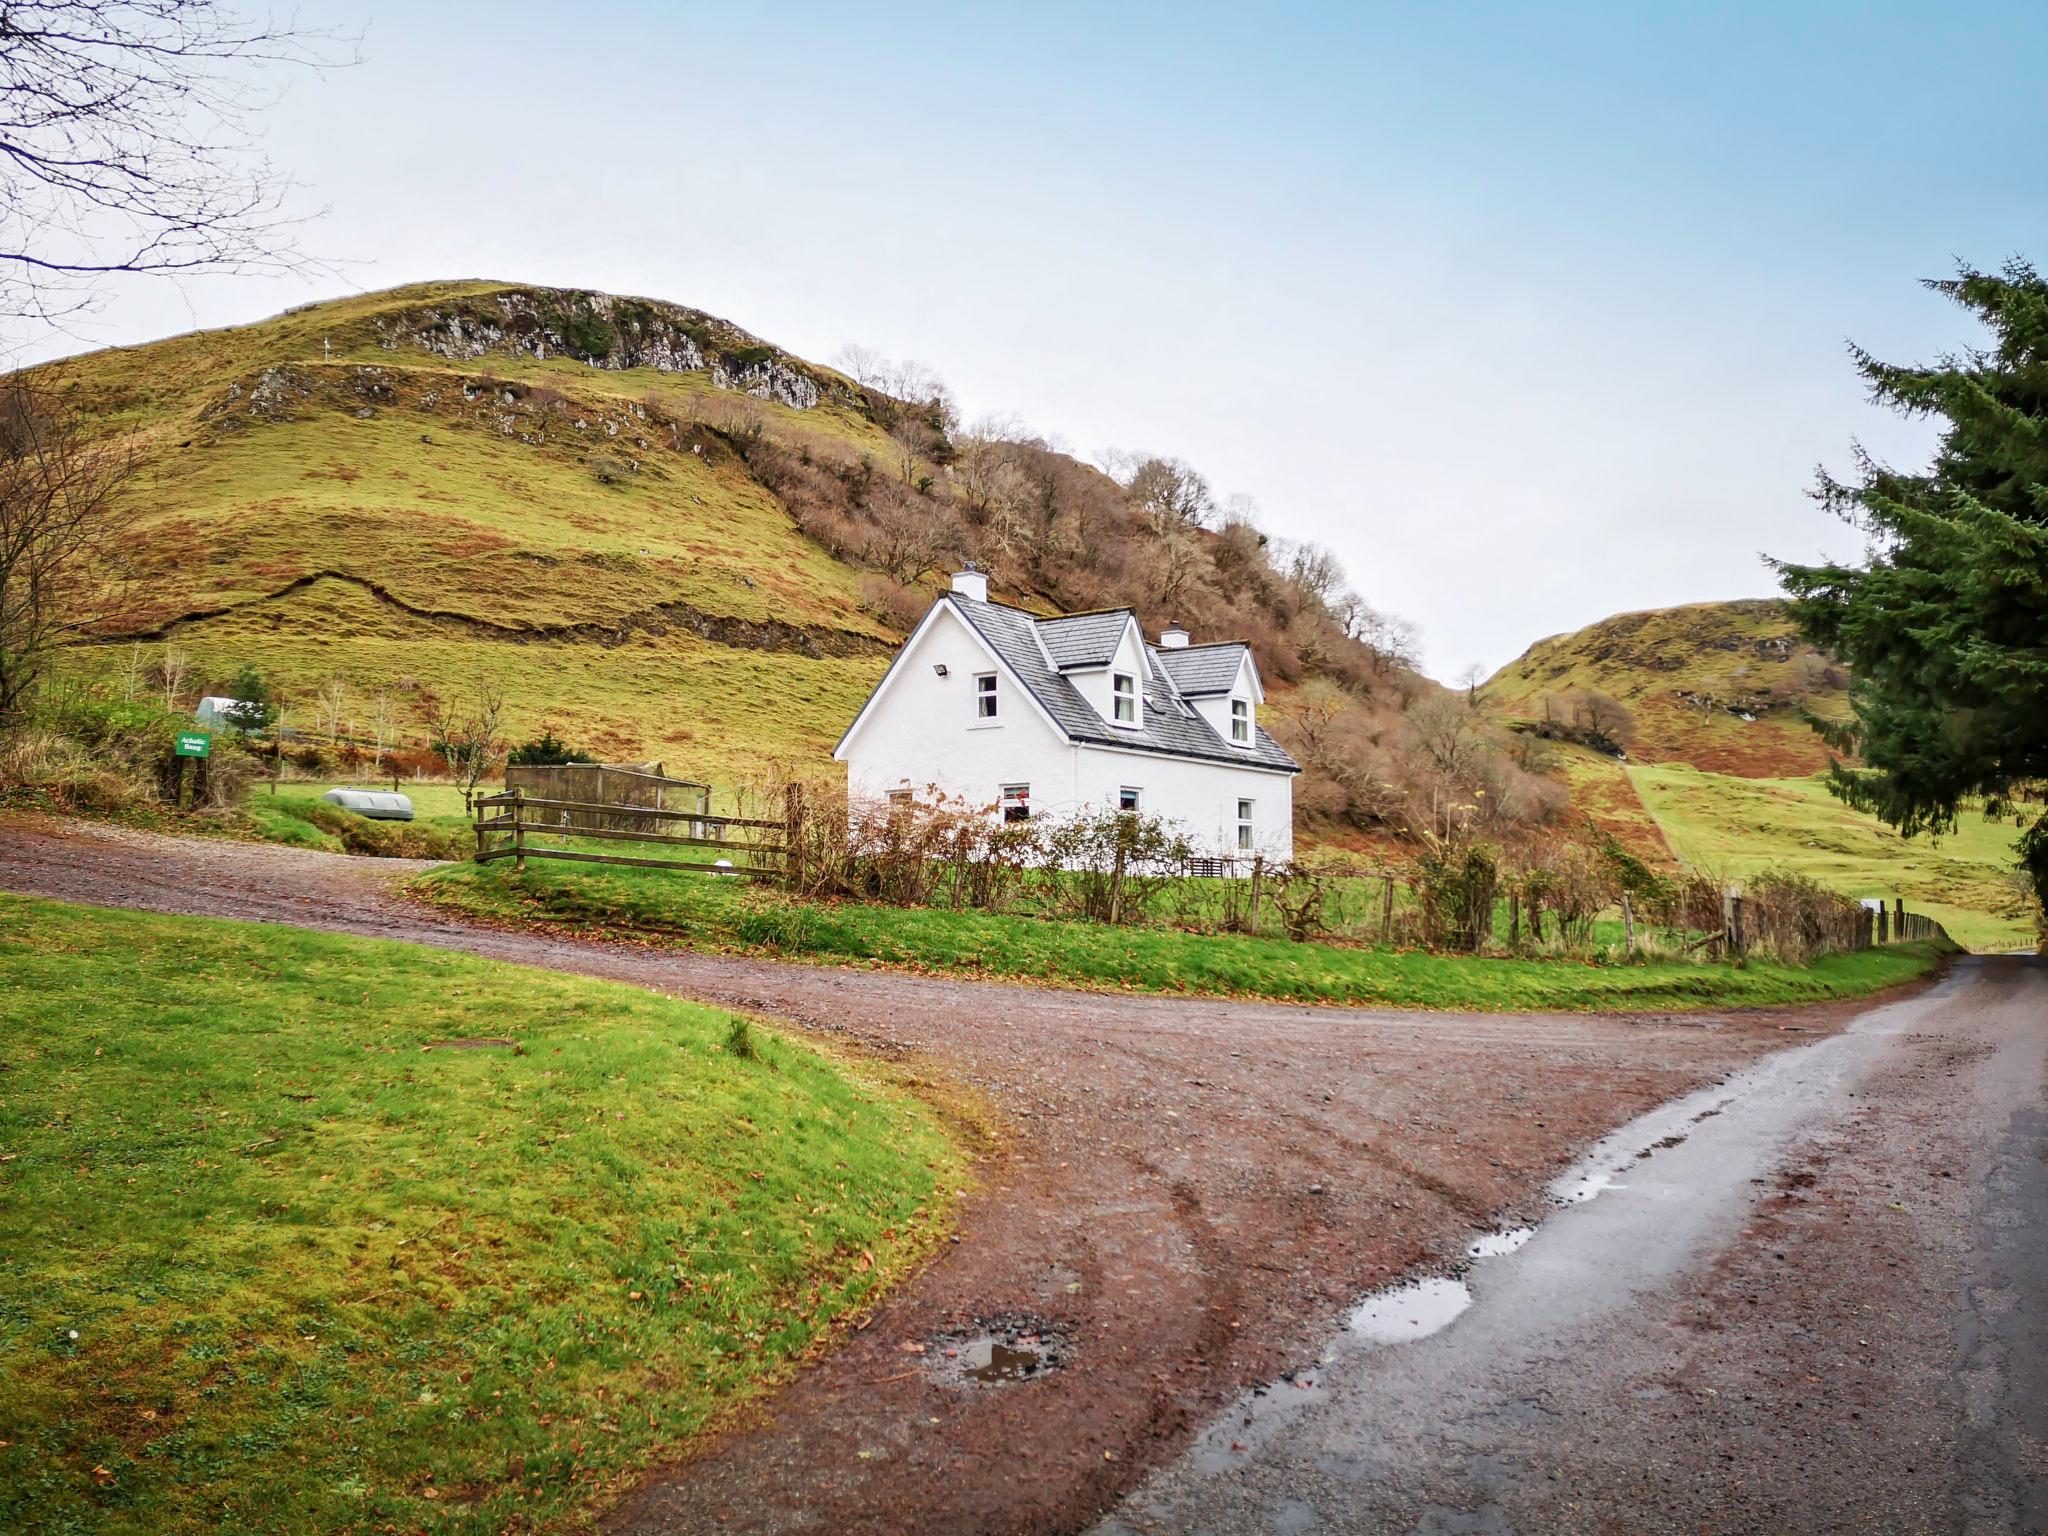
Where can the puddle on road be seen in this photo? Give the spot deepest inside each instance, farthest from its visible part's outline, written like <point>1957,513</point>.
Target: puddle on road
<point>1576,1191</point>
<point>1491,1245</point>
<point>999,1352</point>
<point>988,1360</point>
<point>1411,1311</point>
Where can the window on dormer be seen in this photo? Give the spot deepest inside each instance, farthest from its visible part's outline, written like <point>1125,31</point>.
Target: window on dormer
<point>1241,722</point>
<point>1123,697</point>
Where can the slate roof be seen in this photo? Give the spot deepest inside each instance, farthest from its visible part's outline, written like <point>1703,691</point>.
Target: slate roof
<point>1083,639</point>
<point>1201,670</point>
<point>1172,726</point>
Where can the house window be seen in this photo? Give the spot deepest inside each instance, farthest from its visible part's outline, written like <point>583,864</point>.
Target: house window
<point>1123,694</point>
<point>985,696</point>
<point>900,802</point>
<point>1127,799</point>
<point>1241,722</point>
<point>1016,802</point>
<point>1244,826</point>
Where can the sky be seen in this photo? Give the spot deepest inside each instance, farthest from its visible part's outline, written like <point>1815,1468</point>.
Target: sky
<point>1533,314</point>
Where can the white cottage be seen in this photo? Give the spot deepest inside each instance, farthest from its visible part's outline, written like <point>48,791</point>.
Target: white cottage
<point>1037,717</point>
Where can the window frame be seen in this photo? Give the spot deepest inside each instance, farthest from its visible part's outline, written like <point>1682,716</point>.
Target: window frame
<point>1123,693</point>
<point>1013,798</point>
<point>1240,721</point>
<point>987,699</point>
<point>1246,821</point>
<point>1135,794</point>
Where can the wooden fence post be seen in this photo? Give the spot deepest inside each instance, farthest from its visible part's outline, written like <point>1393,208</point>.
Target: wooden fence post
<point>518,832</point>
<point>1628,924</point>
<point>1387,913</point>
<point>793,836</point>
<point>1514,921</point>
<point>1731,920</point>
<point>1899,919</point>
<point>1258,877</point>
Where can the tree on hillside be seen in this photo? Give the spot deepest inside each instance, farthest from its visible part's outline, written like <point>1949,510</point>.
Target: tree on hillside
<point>1169,494</point>
<point>62,532</point>
<point>1944,627</point>
<point>126,144</point>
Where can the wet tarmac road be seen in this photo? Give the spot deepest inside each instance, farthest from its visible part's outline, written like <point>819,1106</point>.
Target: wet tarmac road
<point>1814,1297</point>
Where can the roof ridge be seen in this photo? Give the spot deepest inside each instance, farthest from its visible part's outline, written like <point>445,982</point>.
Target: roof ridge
<point>1086,613</point>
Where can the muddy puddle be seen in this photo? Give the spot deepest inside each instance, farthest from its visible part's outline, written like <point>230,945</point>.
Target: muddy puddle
<point>999,1352</point>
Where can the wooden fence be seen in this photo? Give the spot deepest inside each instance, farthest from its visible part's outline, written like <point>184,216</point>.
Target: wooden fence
<point>616,790</point>
<point>518,826</point>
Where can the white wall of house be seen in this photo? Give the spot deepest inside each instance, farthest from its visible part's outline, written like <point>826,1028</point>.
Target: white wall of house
<point>922,732</point>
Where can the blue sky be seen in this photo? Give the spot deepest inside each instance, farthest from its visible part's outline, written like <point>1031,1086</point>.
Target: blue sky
<point>1534,314</point>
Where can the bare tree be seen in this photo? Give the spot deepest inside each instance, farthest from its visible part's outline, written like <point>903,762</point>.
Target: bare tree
<point>329,706</point>
<point>1168,493</point>
<point>174,671</point>
<point>383,720</point>
<point>62,531</point>
<point>907,542</point>
<point>469,733</point>
<point>863,364</point>
<point>127,144</point>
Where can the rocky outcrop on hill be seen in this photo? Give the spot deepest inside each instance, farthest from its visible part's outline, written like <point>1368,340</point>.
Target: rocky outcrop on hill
<point>612,333</point>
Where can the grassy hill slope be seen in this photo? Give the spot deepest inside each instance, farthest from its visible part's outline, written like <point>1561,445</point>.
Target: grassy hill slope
<point>1723,771</point>
<point>412,489</point>
<point>1736,827</point>
<point>1717,685</point>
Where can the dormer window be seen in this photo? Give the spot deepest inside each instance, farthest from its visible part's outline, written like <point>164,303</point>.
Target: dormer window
<point>1241,722</point>
<point>985,696</point>
<point>1123,698</point>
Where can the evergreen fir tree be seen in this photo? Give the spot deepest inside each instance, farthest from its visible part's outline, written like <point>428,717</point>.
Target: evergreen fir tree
<point>1945,625</point>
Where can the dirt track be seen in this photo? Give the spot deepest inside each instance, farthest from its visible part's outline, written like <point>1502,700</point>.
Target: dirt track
<point>1191,1190</point>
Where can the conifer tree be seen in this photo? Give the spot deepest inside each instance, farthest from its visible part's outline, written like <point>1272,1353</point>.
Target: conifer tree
<point>1945,624</point>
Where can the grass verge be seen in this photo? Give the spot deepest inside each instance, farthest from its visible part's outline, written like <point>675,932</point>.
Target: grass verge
<point>711,912</point>
<point>269,1262</point>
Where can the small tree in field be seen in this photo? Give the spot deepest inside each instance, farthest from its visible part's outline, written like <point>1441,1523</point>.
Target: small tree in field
<point>468,732</point>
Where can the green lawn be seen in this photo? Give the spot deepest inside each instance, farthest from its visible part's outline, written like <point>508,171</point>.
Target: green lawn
<point>267,1263</point>
<point>293,813</point>
<point>710,911</point>
<point>1737,827</point>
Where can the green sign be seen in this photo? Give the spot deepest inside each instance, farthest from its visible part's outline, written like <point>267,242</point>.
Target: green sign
<point>194,743</point>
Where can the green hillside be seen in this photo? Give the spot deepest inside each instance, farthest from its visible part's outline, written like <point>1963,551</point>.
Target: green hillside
<point>1736,827</point>
<point>1723,772</point>
<point>416,488</point>
<point>1719,686</point>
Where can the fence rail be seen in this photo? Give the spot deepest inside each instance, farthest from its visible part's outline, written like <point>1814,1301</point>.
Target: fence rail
<point>518,826</point>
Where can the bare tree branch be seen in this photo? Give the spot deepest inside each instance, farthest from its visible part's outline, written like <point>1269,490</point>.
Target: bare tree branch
<point>126,144</point>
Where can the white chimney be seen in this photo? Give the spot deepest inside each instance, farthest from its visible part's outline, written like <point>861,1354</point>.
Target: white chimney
<point>1173,638</point>
<point>971,583</point>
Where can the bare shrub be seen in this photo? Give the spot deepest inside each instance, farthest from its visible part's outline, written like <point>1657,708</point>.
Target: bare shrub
<point>1107,866</point>
<point>1454,887</point>
<point>896,605</point>
<point>1796,919</point>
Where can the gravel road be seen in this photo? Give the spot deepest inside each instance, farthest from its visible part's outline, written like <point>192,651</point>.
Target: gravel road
<point>1812,1298</point>
<point>1188,1194</point>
